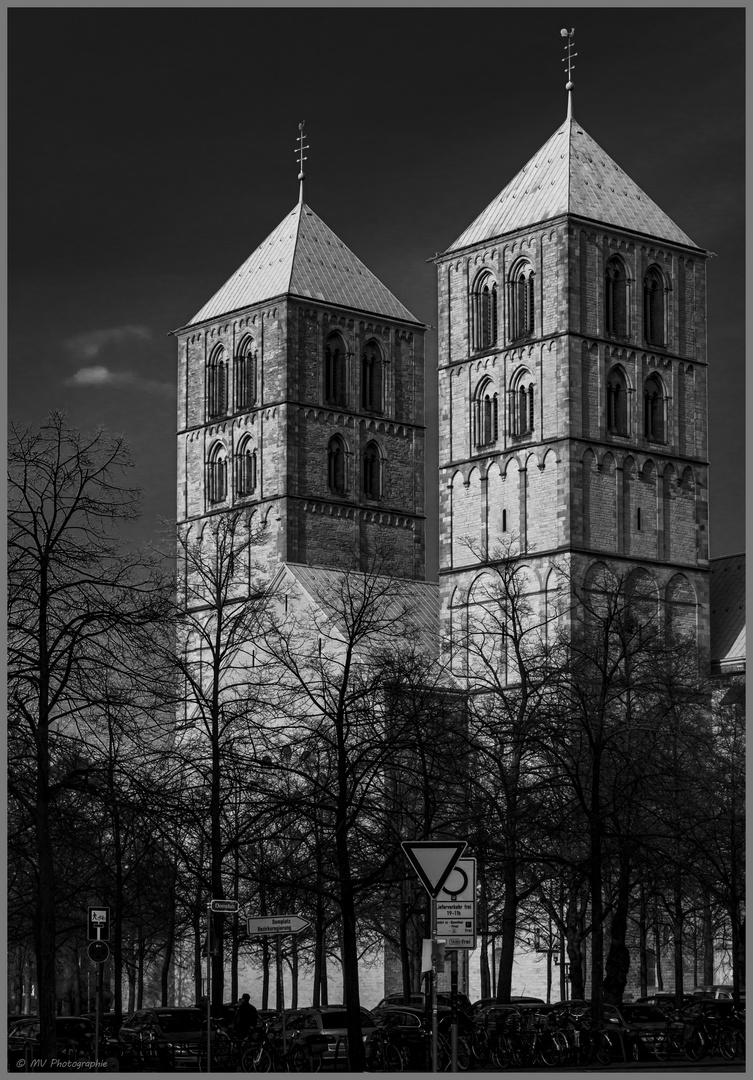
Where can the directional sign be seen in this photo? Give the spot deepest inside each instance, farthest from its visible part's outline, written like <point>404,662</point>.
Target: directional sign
<point>225,905</point>
<point>433,861</point>
<point>456,907</point>
<point>276,924</point>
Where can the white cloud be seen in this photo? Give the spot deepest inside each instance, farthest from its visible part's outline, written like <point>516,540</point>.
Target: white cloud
<point>99,375</point>
<point>89,343</point>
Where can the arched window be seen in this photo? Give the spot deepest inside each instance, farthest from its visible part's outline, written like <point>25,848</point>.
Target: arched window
<point>653,409</point>
<point>522,405</point>
<point>372,472</point>
<point>217,474</point>
<point>654,307</point>
<point>522,307</point>
<point>617,413</point>
<point>246,376</point>
<point>245,469</point>
<point>372,378</point>
<point>217,383</point>
<point>616,298</point>
<point>335,371</point>
<point>485,415</point>
<point>336,465</point>
<point>485,312</point>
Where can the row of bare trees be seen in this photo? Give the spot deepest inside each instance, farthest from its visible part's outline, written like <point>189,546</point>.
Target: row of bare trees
<point>272,740</point>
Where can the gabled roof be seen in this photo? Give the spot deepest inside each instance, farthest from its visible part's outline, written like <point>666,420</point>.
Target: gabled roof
<point>411,607</point>
<point>303,257</point>
<point>571,174</point>
<point>727,601</point>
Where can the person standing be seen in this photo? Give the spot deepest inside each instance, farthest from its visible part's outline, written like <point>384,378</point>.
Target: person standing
<point>246,1018</point>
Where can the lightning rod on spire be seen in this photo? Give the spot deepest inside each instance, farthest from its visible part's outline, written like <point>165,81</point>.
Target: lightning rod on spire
<point>568,59</point>
<point>301,158</point>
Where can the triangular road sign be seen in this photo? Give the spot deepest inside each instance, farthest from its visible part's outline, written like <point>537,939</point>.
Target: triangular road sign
<point>433,861</point>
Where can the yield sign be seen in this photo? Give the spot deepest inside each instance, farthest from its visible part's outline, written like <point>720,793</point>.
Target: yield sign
<point>433,861</point>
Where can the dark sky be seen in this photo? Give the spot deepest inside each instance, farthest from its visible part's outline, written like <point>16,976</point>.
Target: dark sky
<point>151,150</point>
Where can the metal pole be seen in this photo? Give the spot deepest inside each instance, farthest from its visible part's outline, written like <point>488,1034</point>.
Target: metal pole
<point>96,1013</point>
<point>434,1015</point>
<point>454,1009</point>
<point>281,992</point>
<point>209,985</point>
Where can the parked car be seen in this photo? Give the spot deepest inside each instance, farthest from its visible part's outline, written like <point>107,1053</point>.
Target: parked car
<point>482,1003</point>
<point>719,991</point>
<point>664,1000</point>
<point>418,1000</point>
<point>170,1037</point>
<point>74,1041</point>
<point>408,1030</point>
<point>325,1027</point>
<point>637,1031</point>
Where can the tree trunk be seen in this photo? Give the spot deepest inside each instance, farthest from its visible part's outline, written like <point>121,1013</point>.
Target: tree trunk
<point>509,928</point>
<point>617,963</point>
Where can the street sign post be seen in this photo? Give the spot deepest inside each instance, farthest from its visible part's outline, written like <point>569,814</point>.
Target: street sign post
<point>433,861</point>
<point>276,924</point>
<point>229,907</point>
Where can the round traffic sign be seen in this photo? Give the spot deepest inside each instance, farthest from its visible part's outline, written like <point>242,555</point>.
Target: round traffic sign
<point>453,890</point>
<point>98,951</point>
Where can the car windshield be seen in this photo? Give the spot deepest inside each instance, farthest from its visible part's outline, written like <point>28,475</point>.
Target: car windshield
<point>180,1021</point>
<point>643,1013</point>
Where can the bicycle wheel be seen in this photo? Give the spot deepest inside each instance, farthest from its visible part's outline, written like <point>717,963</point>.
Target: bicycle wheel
<point>727,1043</point>
<point>546,1051</point>
<point>694,1046</point>
<point>256,1059</point>
<point>465,1057</point>
<point>602,1048</point>
<point>480,1045</point>
<point>662,1047</point>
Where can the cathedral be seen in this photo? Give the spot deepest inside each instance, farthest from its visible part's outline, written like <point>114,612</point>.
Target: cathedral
<point>572,412</point>
<point>572,394</point>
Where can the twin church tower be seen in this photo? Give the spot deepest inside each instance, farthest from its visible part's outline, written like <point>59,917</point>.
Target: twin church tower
<point>572,393</point>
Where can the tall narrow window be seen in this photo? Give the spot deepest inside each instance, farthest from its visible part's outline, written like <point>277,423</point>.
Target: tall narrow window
<point>335,381</point>
<point>217,383</point>
<point>246,470</point>
<point>336,466</point>
<point>372,378</point>
<point>372,472</point>
<point>653,410</point>
<point>485,415</point>
<point>522,305</point>
<point>484,299</point>
<point>217,474</point>
<point>617,403</point>
<point>522,405</point>
<point>654,307</point>
<point>246,376</point>
<point>616,305</point>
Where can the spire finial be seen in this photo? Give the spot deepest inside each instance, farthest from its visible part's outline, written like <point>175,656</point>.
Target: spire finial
<point>301,158</point>
<point>568,59</point>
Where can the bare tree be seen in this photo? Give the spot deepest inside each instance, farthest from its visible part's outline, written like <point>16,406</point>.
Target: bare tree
<point>73,592</point>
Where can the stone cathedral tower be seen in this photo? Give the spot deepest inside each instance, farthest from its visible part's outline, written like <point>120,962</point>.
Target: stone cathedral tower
<point>572,386</point>
<point>301,401</point>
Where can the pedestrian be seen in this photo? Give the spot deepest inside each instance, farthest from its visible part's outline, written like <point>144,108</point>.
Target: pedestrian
<point>246,1017</point>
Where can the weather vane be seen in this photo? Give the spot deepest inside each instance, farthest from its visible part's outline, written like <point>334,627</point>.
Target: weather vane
<point>568,59</point>
<point>301,157</point>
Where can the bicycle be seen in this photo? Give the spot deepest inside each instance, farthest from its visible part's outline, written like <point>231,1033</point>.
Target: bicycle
<point>382,1053</point>
<point>266,1054</point>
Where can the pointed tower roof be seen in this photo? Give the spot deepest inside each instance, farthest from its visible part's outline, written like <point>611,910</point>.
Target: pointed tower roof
<point>303,257</point>
<point>571,174</point>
